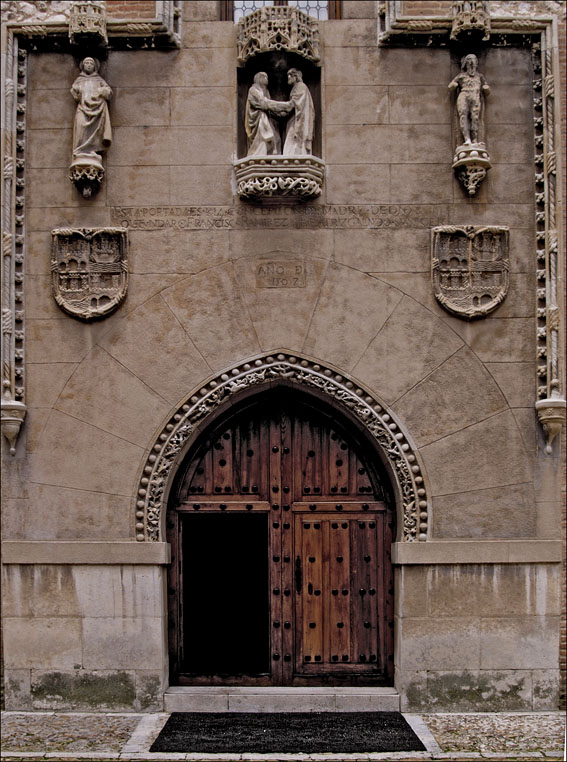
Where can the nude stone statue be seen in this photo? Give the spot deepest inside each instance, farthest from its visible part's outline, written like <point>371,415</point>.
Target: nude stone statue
<point>262,131</point>
<point>471,87</point>
<point>92,133</point>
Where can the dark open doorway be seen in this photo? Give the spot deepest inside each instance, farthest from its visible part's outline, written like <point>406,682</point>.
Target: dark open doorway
<point>225,594</point>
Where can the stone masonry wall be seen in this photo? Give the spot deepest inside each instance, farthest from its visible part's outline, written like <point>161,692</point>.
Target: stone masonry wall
<point>470,636</point>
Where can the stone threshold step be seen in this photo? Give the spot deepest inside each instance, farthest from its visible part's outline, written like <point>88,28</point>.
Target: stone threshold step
<point>252,699</point>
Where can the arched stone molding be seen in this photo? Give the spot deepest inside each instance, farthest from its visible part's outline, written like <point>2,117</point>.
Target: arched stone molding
<point>201,407</point>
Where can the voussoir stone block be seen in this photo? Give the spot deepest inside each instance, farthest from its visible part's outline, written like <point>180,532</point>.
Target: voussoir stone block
<point>411,344</point>
<point>102,392</point>
<point>71,453</point>
<point>455,395</point>
<point>495,512</point>
<point>210,308</point>
<point>489,453</point>
<point>176,366</point>
<point>281,316</point>
<point>352,308</point>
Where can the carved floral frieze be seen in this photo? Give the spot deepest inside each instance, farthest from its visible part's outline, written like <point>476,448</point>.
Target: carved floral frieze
<point>170,445</point>
<point>470,268</point>
<point>470,17</point>
<point>278,176</point>
<point>89,270</point>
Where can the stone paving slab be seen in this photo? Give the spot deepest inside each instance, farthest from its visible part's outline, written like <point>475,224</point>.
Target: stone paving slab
<point>115,737</point>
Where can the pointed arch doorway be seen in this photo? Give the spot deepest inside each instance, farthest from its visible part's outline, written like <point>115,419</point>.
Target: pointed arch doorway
<point>280,520</point>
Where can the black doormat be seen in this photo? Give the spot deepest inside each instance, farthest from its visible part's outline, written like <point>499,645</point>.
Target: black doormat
<point>292,733</point>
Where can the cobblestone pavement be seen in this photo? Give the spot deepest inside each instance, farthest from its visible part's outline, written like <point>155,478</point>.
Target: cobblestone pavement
<point>89,737</point>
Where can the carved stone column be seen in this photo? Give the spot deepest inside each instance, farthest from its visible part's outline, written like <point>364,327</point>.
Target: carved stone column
<point>13,408</point>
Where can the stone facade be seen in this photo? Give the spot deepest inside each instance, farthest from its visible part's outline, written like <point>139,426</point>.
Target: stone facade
<point>478,573</point>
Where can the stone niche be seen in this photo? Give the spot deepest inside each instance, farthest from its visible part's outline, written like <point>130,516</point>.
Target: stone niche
<point>277,40</point>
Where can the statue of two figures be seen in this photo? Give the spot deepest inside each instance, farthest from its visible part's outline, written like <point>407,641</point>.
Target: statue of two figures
<point>261,114</point>
<point>92,132</point>
<point>471,160</point>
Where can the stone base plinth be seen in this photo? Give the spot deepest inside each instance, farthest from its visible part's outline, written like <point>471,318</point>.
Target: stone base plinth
<point>299,177</point>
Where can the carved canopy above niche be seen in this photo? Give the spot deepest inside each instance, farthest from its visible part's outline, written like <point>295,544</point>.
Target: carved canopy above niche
<point>278,28</point>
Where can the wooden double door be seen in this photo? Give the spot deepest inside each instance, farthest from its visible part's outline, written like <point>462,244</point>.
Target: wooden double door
<point>281,529</point>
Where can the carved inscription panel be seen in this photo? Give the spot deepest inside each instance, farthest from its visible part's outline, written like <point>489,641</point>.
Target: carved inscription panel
<point>280,274</point>
<point>322,216</point>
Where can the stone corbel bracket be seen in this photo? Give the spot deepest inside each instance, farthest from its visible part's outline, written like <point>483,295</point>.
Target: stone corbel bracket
<point>299,177</point>
<point>278,28</point>
<point>551,404</point>
<point>471,163</point>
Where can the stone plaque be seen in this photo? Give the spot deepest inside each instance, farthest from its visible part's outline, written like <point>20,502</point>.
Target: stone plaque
<point>89,270</point>
<point>280,274</point>
<point>470,268</point>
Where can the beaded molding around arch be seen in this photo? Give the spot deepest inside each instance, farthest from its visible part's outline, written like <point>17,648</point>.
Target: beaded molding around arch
<point>160,463</point>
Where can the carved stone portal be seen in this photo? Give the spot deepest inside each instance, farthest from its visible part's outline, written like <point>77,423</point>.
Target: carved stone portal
<point>471,160</point>
<point>89,270</point>
<point>470,269</point>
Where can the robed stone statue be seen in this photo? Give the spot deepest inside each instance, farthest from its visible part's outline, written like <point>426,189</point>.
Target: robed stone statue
<point>92,133</point>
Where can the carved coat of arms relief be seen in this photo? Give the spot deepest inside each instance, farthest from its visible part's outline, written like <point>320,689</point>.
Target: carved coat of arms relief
<point>470,268</point>
<point>89,270</point>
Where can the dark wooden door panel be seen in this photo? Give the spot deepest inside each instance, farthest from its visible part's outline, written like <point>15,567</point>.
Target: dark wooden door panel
<point>325,569</point>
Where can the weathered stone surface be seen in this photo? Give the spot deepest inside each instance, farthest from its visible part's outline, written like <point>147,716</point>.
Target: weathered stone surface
<point>141,106</point>
<point>123,643</point>
<point>517,381</point>
<point>402,252</point>
<point>508,511</point>
<point>209,307</point>
<point>476,690</point>
<point>175,367</point>
<point>499,590</point>
<point>84,690</point>
<point>103,393</point>
<point>199,184</point>
<point>17,689</point>
<point>435,644</point>
<point>137,185</point>
<point>46,642</point>
<point>412,182</point>
<point>49,149</point>
<point>201,106</point>
<point>68,514</point>
<point>280,315</point>
<point>411,592</point>
<point>411,344</point>
<point>94,465</point>
<point>546,690</point>
<point>519,643</point>
<point>351,31</point>
<point>369,183</point>
<point>458,393</point>
<point>356,105</point>
<point>351,310</point>
<point>490,453</point>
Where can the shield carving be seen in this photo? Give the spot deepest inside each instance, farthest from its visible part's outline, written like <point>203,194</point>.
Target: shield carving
<point>470,268</point>
<point>89,270</point>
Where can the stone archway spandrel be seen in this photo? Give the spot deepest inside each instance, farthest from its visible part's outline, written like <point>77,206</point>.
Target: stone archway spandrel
<point>171,443</point>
